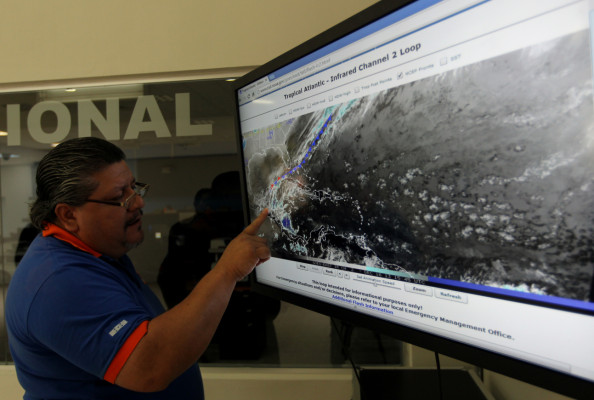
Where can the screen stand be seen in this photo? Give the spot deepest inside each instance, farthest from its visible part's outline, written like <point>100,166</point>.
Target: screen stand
<point>416,383</point>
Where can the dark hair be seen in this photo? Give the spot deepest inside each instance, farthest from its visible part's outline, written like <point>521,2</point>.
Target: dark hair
<point>65,175</point>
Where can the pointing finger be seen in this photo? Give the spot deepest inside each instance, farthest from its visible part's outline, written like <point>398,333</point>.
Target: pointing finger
<point>252,229</point>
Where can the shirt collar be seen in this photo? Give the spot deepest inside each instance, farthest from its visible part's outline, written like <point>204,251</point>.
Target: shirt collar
<point>62,234</point>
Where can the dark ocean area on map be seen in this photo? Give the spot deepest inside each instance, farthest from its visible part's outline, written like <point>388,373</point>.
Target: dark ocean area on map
<point>483,174</point>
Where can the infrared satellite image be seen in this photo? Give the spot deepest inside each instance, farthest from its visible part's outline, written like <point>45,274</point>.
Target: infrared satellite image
<point>482,174</point>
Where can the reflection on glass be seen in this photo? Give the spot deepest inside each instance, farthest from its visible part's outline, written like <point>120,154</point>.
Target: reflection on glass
<point>178,136</point>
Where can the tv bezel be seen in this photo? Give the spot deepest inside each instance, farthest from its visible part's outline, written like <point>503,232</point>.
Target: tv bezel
<point>555,381</point>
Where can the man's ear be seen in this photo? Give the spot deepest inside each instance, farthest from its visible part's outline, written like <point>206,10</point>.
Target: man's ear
<point>66,217</point>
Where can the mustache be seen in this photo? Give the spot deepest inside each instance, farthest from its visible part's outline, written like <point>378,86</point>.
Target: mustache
<point>135,218</point>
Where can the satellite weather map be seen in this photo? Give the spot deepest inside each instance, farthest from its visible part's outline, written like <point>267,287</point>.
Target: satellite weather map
<point>461,175</point>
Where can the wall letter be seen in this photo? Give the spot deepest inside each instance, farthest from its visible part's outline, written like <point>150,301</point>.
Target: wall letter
<point>183,123</point>
<point>63,125</point>
<point>109,125</point>
<point>13,116</point>
<point>156,121</point>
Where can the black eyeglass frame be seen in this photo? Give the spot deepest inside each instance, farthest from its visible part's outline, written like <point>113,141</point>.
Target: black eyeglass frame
<point>140,189</point>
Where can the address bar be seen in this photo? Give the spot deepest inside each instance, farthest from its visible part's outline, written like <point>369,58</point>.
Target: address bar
<point>437,12</point>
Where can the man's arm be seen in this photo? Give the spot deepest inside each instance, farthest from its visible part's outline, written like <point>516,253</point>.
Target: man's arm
<point>177,338</point>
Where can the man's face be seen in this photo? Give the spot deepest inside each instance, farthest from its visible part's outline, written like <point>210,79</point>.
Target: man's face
<point>109,229</point>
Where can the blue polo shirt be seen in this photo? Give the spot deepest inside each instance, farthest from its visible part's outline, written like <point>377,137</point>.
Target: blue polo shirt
<point>74,317</point>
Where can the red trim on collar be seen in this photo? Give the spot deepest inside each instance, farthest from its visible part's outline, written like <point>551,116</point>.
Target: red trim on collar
<point>62,234</point>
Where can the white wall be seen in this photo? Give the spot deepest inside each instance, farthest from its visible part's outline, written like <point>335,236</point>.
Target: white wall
<point>11,389</point>
<point>292,383</point>
<point>245,383</point>
<point>72,39</point>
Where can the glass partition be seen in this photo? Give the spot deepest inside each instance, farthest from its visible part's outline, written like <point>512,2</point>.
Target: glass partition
<point>180,138</point>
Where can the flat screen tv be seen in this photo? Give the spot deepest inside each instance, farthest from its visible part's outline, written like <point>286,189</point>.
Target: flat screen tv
<point>429,171</point>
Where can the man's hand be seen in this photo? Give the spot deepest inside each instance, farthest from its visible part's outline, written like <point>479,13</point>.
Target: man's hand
<point>177,338</point>
<point>247,250</point>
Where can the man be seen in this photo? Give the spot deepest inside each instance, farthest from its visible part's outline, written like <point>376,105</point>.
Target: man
<point>81,322</point>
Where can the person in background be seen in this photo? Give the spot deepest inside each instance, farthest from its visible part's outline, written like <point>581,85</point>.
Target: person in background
<point>188,257</point>
<point>218,216</point>
<point>246,330</point>
<point>81,322</point>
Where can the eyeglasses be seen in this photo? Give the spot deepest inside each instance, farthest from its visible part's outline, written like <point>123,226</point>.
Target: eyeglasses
<point>140,189</point>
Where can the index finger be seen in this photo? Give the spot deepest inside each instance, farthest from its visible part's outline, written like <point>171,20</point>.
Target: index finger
<point>253,228</point>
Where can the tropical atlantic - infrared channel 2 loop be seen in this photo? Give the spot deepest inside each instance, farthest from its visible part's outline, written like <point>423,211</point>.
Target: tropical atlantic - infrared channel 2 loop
<point>305,157</point>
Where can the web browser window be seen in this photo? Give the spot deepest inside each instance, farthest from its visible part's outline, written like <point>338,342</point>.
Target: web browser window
<point>431,171</point>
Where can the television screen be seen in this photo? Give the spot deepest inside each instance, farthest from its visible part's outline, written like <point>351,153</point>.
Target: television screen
<point>428,167</point>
